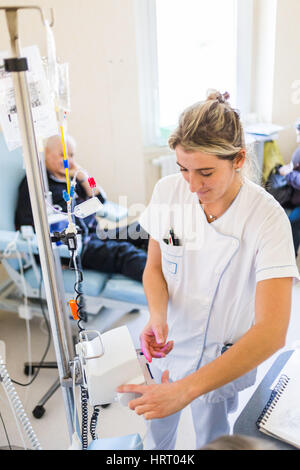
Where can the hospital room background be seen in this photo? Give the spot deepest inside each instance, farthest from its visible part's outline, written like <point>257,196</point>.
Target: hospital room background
<point>134,65</point>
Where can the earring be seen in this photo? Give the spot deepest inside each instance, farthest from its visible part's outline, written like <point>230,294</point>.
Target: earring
<point>238,170</point>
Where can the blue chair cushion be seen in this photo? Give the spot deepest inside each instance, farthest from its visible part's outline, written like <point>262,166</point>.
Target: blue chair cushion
<point>93,281</point>
<point>124,289</point>
<point>130,442</point>
<point>12,170</point>
<point>7,236</point>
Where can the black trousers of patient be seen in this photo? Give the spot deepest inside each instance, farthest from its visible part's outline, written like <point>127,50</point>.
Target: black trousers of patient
<point>121,251</point>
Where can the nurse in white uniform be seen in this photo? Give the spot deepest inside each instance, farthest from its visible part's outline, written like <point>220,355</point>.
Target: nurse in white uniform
<point>218,279</point>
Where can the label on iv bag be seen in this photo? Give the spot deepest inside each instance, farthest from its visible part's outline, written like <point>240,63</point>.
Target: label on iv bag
<point>89,207</point>
<point>43,112</point>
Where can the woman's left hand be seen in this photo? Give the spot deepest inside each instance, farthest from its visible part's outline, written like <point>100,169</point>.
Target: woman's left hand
<point>156,401</point>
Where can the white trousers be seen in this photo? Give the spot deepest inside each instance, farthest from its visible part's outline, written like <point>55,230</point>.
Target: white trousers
<point>210,421</point>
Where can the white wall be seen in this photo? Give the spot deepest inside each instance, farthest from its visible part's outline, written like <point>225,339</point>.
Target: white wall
<point>264,30</point>
<point>286,109</point>
<point>97,38</point>
<point>276,53</point>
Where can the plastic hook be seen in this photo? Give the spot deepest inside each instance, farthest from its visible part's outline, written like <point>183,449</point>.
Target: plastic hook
<point>31,7</point>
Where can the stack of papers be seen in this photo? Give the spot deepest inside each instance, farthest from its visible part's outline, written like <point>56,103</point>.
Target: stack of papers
<point>263,129</point>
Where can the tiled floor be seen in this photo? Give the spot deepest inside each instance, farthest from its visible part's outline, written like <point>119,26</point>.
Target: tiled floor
<point>51,429</point>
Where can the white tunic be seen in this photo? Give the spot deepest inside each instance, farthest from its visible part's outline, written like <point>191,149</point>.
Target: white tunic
<point>212,275</point>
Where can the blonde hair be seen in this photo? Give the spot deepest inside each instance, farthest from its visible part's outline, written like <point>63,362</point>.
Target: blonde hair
<point>213,127</point>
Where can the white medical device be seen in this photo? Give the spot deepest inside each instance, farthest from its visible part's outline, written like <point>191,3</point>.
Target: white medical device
<point>109,360</point>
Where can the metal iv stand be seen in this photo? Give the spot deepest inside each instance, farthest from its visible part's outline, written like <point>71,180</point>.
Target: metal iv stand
<point>48,257</point>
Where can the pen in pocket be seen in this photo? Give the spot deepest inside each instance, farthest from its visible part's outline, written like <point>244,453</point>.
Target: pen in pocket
<point>174,240</point>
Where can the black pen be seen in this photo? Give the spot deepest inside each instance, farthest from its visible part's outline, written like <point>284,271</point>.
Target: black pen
<point>171,237</point>
<point>174,240</point>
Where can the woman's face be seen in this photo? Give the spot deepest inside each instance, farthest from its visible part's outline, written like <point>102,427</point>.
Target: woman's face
<point>210,177</point>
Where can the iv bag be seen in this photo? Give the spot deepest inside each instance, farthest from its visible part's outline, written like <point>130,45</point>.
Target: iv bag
<point>63,87</point>
<point>51,61</point>
<point>58,74</point>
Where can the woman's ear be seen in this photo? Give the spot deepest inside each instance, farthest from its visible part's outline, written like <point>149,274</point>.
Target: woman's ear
<point>240,159</point>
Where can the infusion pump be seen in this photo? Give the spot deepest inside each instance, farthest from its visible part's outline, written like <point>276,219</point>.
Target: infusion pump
<point>109,360</point>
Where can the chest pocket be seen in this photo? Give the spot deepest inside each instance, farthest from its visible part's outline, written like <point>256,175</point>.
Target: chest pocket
<point>172,261</point>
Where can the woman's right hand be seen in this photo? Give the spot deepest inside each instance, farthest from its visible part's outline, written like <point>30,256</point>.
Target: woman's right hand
<point>153,340</point>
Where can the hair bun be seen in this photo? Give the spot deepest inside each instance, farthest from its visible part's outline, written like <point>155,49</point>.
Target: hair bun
<point>213,95</point>
<point>226,96</point>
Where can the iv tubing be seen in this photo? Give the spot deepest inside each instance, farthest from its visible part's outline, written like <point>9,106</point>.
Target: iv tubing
<point>66,159</point>
<point>17,405</point>
<point>49,264</point>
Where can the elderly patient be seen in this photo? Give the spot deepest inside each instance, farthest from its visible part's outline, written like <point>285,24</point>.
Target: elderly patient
<point>119,251</point>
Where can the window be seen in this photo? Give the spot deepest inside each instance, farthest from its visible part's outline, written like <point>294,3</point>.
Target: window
<point>196,49</point>
<point>186,47</point>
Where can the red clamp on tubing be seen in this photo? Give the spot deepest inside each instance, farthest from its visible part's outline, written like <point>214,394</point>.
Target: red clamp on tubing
<point>92,183</point>
<point>74,309</point>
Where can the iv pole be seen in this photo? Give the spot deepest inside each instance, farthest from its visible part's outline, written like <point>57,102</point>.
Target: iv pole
<point>18,66</point>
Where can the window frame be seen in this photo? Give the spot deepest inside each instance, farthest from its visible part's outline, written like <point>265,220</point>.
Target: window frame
<point>244,55</point>
<point>147,59</point>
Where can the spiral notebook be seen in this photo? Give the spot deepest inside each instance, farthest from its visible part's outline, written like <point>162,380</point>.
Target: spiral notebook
<point>280,417</point>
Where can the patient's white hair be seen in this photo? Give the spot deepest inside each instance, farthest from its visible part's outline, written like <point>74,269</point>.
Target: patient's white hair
<point>54,139</point>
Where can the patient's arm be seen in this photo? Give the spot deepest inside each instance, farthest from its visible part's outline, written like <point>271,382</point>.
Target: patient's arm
<point>83,186</point>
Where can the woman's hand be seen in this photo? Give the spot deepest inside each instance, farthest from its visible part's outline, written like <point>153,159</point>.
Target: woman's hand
<point>153,340</point>
<point>157,401</point>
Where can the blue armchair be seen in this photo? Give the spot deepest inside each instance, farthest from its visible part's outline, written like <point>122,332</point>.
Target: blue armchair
<point>99,289</point>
